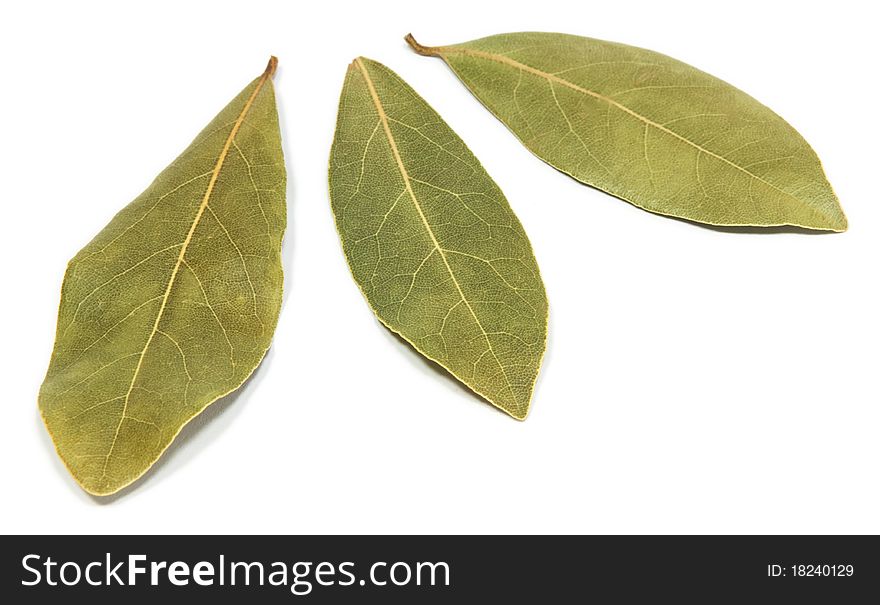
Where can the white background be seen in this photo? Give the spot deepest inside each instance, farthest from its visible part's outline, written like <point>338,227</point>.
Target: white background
<point>695,380</point>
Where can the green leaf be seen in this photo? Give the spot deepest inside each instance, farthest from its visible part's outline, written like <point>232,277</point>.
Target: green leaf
<point>648,129</point>
<point>432,242</point>
<point>174,303</point>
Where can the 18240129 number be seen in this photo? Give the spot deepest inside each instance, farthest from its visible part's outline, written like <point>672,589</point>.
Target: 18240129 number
<point>826,570</point>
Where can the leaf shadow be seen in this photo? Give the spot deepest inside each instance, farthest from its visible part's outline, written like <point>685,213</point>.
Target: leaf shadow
<point>752,230</point>
<point>735,229</point>
<point>192,439</point>
<point>289,244</point>
<point>429,366</point>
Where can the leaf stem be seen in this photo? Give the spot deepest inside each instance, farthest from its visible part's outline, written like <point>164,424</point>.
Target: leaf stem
<point>272,66</point>
<point>427,51</point>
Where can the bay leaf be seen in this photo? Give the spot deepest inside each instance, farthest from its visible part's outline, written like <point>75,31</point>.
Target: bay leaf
<point>432,242</point>
<point>648,129</point>
<point>174,303</point>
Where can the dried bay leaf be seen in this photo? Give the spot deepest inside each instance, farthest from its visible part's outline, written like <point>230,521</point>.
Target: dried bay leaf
<point>174,303</point>
<point>648,129</point>
<point>432,242</point>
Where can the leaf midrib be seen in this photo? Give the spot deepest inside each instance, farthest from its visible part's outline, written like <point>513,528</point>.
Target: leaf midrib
<point>383,118</point>
<point>215,173</point>
<point>504,60</point>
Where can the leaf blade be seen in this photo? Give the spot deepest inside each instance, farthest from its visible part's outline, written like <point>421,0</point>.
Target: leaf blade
<point>428,292</point>
<point>623,119</point>
<point>154,305</point>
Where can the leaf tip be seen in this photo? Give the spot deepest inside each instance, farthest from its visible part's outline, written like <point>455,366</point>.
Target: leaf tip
<point>834,220</point>
<point>520,414</point>
<point>516,409</point>
<point>271,66</point>
<point>426,51</point>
